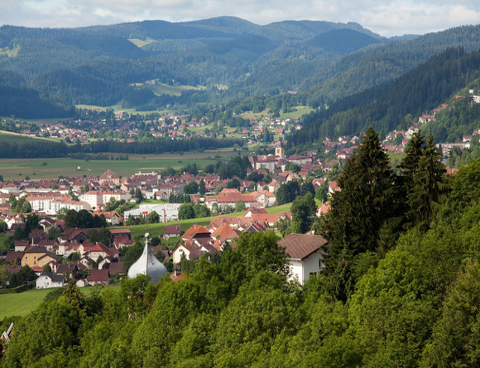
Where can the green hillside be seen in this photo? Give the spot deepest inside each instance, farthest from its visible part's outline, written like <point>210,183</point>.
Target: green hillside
<point>386,106</point>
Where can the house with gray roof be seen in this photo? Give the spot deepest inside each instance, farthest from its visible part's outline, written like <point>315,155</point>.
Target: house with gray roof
<point>304,253</point>
<point>49,280</point>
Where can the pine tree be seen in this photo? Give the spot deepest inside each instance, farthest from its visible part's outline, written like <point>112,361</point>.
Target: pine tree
<point>303,213</point>
<point>201,187</point>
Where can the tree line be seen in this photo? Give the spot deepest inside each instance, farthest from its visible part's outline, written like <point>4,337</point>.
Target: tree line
<point>47,149</point>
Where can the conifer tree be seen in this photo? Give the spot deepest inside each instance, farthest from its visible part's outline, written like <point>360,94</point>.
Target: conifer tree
<point>358,212</point>
<point>427,188</point>
<point>303,212</point>
<point>410,164</point>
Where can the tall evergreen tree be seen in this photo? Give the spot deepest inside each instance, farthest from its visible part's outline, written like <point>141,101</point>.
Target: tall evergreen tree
<point>410,164</point>
<point>303,212</point>
<point>358,212</point>
<point>201,187</point>
<point>427,188</point>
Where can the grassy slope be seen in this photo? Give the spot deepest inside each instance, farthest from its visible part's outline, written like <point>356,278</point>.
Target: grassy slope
<point>23,303</point>
<point>139,231</point>
<point>22,139</point>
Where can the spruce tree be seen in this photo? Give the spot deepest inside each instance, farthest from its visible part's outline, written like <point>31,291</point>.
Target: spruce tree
<point>303,213</point>
<point>410,164</point>
<point>428,187</point>
<point>358,212</point>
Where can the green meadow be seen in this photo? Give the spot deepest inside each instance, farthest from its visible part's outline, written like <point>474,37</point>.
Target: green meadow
<point>300,110</point>
<point>52,168</point>
<point>23,303</point>
<point>22,139</point>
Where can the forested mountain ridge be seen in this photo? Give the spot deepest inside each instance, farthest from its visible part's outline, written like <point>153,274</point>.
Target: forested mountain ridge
<point>96,65</point>
<point>370,67</point>
<point>386,106</point>
<point>321,61</point>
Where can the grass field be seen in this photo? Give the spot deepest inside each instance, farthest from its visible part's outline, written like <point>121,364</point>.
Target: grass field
<point>23,303</point>
<point>118,107</point>
<point>279,209</point>
<point>21,139</point>
<point>301,110</point>
<point>36,169</point>
<point>161,89</point>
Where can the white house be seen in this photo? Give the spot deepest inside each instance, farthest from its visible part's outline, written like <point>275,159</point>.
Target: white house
<point>183,250</point>
<point>93,197</point>
<point>48,280</point>
<point>304,254</point>
<point>117,195</point>
<point>70,205</point>
<point>43,203</point>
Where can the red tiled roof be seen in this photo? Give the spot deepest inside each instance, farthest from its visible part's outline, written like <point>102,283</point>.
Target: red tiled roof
<point>98,275</point>
<point>172,229</point>
<point>13,256</point>
<point>224,228</point>
<point>194,231</point>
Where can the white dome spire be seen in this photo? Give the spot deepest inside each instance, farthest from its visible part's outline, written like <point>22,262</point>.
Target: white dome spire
<point>148,264</point>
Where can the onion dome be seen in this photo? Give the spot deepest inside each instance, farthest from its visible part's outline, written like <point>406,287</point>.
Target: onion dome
<point>148,264</point>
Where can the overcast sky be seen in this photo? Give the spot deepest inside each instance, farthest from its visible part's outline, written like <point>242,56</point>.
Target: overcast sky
<point>388,18</point>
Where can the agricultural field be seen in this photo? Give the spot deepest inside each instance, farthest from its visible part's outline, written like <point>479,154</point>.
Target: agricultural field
<point>165,89</point>
<point>118,107</point>
<point>37,169</point>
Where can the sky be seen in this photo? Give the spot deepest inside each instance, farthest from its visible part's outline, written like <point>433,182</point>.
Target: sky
<point>385,17</point>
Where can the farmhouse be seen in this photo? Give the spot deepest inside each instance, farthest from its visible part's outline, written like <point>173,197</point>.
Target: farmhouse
<point>48,280</point>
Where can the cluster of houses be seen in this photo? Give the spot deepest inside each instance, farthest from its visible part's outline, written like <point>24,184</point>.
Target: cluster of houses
<point>96,260</point>
<point>97,263</point>
<point>91,127</point>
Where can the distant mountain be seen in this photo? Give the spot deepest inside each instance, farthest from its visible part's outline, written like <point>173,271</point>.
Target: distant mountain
<point>323,61</point>
<point>343,41</point>
<point>304,30</point>
<point>370,67</point>
<point>231,25</point>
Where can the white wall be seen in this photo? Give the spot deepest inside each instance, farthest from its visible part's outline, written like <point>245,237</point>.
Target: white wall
<point>301,269</point>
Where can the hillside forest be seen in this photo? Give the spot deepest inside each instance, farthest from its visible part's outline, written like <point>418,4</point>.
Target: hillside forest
<point>211,63</point>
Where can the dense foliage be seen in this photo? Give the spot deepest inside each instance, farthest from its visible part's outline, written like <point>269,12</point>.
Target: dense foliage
<point>33,148</point>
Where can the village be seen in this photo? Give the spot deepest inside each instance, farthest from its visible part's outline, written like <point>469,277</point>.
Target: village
<point>96,263</point>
